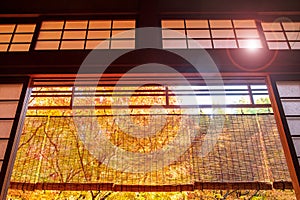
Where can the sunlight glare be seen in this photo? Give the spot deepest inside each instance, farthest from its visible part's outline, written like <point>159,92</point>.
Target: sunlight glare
<point>252,44</point>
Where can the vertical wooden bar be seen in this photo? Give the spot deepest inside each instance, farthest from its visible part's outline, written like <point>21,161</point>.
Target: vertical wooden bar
<point>148,17</point>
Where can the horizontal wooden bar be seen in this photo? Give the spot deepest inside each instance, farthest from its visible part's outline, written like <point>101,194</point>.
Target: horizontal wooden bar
<point>153,188</point>
<point>296,98</point>
<point>61,186</point>
<point>152,106</point>
<point>282,185</point>
<point>170,114</point>
<point>233,185</point>
<point>227,61</point>
<point>177,90</point>
<point>148,95</point>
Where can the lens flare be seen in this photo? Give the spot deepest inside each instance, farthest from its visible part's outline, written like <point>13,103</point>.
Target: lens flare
<point>250,44</point>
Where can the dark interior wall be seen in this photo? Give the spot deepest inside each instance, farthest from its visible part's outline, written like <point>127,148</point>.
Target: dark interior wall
<point>230,6</point>
<point>113,6</point>
<point>67,6</point>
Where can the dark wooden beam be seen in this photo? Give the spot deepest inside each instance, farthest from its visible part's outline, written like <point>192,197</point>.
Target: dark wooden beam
<point>68,62</point>
<point>67,6</point>
<point>163,6</point>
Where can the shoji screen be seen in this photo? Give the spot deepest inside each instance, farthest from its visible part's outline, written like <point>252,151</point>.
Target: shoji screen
<point>286,90</point>
<point>12,95</point>
<point>289,94</point>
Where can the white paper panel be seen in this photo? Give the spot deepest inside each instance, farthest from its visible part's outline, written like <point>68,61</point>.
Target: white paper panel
<point>291,106</point>
<point>288,88</point>
<point>297,145</point>
<point>294,125</point>
<point>10,91</point>
<point>5,128</point>
<point>8,109</point>
<point>3,145</point>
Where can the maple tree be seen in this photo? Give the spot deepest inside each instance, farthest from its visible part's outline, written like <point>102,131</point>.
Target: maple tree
<point>60,147</point>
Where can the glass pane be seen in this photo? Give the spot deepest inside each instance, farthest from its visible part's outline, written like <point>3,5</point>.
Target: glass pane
<point>224,44</point>
<point>123,24</point>
<point>198,33</point>
<point>288,88</point>
<point>49,35</point>
<point>244,23</point>
<point>22,38</point>
<point>122,44</point>
<point>98,34</point>
<point>3,145</point>
<point>189,100</point>
<point>196,23</point>
<point>19,47</point>
<point>52,90</point>
<point>50,101</point>
<point>208,100</point>
<point>91,100</point>
<point>99,24</point>
<point>8,109</point>
<point>271,26</point>
<point>291,106</point>
<point>174,44</point>
<point>278,45</point>
<point>74,34</point>
<point>5,128</point>
<point>259,87</point>
<point>72,45</point>
<point>52,25</point>
<point>293,35</point>
<point>76,24</point>
<point>5,38</point>
<point>250,44</point>
<point>3,47</point>
<point>10,91</point>
<point>234,87</point>
<point>173,33</point>
<point>25,28</point>
<point>261,99</point>
<point>123,34</point>
<point>295,45</point>
<point>291,26</point>
<point>7,28</point>
<point>40,45</point>
<point>222,34</point>
<point>250,33</point>
<point>100,44</point>
<point>205,44</point>
<point>172,24</point>
<point>237,99</point>
<point>274,36</point>
<point>220,23</point>
<point>294,125</point>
